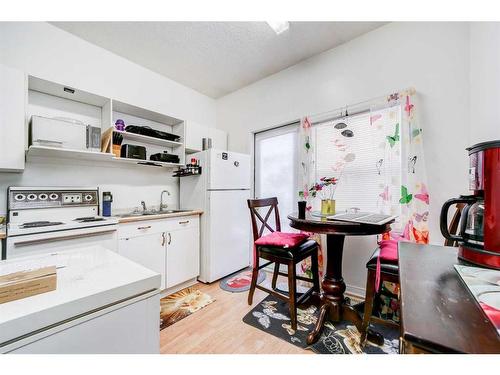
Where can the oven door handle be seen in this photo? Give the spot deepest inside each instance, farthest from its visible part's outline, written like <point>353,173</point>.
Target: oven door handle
<point>61,238</point>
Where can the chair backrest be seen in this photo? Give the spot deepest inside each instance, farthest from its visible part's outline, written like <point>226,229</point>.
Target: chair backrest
<point>260,226</point>
<point>453,227</point>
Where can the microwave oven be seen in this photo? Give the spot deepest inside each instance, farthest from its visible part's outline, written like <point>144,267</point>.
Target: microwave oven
<point>64,133</point>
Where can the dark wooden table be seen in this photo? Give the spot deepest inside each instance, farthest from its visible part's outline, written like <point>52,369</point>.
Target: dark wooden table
<point>332,297</point>
<point>438,313</point>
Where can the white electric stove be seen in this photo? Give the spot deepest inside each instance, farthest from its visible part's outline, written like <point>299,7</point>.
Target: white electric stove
<point>49,219</point>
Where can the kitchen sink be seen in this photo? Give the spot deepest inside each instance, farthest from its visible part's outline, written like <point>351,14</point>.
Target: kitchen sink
<point>151,212</point>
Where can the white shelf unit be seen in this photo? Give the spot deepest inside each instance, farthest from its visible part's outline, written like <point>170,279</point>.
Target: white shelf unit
<point>51,99</point>
<point>133,115</point>
<point>55,152</point>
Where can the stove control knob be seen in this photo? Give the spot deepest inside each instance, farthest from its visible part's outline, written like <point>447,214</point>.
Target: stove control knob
<point>31,197</point>
<point>53,196</point>
<point>43,197</point>
<point>19,197</point>
<point>88,197</point>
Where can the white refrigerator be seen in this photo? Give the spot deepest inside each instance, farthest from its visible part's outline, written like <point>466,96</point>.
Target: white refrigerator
<point>221,191</point>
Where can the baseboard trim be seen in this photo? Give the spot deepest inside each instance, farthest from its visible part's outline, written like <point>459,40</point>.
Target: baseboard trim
<point>186,284</point>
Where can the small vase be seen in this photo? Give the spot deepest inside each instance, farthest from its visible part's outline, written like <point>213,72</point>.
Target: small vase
<point>327,206</point>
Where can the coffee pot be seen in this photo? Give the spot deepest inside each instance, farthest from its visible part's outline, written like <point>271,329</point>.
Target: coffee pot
<point>479,234</point>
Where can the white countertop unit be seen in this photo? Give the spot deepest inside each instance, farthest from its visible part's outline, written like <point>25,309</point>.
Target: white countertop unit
<point>88,279</point>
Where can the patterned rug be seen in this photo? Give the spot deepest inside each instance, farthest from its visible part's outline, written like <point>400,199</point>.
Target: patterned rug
<point>240,282</point>
<point>272,316</point>
<point>181,304</point>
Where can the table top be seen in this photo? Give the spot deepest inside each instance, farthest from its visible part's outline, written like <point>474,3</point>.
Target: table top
<point>318,224</point>
<point>437,311</point>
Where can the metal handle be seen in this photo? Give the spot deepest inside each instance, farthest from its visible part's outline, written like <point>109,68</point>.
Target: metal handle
<point>169,238</point>
<point>145,227</point>
<point>61,238</point>
<point>163,239</point>
<point>184,222</point>
<point>47,141</point>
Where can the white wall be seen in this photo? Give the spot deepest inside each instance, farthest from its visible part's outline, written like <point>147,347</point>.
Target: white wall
<point>432,57</point>
<point>484,81</point>
<point>45,51</point>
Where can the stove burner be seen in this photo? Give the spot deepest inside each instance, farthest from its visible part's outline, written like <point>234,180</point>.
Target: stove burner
<point>36,224</point>
<point>89,219</point>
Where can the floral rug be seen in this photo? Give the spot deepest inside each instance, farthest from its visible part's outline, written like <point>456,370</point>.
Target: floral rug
<point>181,304</point>
<point>240,282</point>
<point>272,316</point>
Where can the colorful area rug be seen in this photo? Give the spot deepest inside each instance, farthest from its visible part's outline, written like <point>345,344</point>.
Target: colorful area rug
<point>271,316</point>
<point>181,304</point>
<point>240,282</point>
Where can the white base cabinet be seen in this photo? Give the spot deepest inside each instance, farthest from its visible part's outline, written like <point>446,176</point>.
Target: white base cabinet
<point>146,249</point>
<point>128,328</point>
<point>183,254</point>
<point>170,247</point>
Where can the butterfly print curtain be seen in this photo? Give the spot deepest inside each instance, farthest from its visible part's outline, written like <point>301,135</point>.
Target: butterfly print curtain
<point>401,166</point>
<point>398,166</point>
<point>306,178</point>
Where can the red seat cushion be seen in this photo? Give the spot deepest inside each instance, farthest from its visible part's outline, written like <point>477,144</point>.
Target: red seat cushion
<point>281,239</point>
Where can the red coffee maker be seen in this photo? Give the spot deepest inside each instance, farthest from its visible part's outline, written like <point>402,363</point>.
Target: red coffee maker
<point>479,235</point>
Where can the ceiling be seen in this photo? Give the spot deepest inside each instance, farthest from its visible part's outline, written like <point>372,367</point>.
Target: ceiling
<point>216,58</point>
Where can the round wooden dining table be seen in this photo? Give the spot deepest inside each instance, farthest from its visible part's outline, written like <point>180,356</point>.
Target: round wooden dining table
<point>332,300</point>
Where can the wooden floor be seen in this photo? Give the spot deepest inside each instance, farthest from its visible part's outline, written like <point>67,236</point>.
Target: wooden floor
<point>218,328</point>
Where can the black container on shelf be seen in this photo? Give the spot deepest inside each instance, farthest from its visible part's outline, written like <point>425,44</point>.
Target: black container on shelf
<point>150,132</point>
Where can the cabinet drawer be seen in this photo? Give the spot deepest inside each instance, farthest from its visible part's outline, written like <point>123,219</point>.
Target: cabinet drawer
<point>140,228</point>
<point>183,222</point>
<point>157,226</point>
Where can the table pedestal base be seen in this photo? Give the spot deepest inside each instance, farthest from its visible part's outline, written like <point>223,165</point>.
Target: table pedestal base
<point>333,305</point>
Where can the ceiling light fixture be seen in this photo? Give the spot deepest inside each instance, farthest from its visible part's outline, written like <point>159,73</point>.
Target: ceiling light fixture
<point>279,26</point>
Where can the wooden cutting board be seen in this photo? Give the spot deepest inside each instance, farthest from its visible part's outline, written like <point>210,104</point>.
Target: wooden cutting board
<point>22,284</point>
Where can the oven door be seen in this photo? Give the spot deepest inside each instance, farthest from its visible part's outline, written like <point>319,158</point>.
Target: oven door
<point>51,242</point>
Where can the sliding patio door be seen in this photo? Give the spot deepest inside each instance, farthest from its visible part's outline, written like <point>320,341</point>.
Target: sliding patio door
<point>276,160</point>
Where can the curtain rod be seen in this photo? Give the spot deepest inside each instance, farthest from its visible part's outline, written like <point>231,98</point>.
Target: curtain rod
<point>365,109</point>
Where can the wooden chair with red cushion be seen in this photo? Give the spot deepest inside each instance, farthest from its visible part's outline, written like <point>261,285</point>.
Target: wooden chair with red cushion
<point>389,271</point>
<point>280,248</point>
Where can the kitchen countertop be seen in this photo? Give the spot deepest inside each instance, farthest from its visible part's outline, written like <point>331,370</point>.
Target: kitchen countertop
<point>131,219</point>
<point>88,278</point>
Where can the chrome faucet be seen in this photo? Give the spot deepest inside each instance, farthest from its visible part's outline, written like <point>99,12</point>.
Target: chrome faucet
<point>163,205</point>
<point>143,205</point>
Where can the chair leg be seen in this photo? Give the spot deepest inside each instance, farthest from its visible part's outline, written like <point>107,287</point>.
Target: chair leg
<point>315,271</point>
<point>292,293</point>
<point>275,275</point>
<point>255,275</point>
<point>369,297</point>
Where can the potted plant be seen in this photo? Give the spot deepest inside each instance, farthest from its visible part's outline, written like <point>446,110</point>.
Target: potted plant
<point>325,189</point>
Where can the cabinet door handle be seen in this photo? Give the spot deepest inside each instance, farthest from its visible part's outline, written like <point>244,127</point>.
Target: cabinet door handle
<point>169,238</point>
<point>145,227</point>
<point>163,239</point>
<point>184,222</point>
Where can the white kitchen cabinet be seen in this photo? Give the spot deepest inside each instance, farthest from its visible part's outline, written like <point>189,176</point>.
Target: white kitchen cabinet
<point>219,138</point>
<point>146,249</point>
<point>170,247</point>
<point>183,254</point>
<point>196,132</point>
<point>12,119</point>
